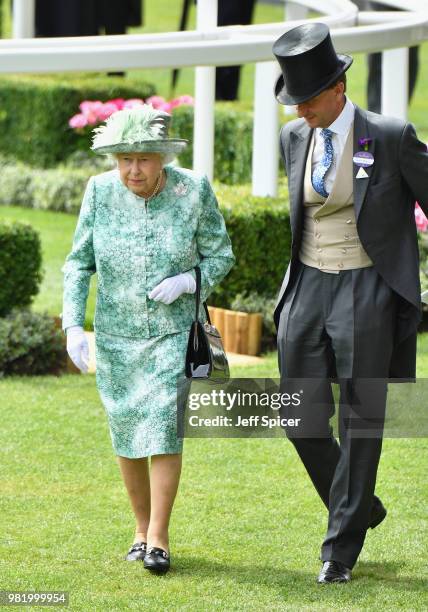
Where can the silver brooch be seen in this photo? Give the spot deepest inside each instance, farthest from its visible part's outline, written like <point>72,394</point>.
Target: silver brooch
<point>180,189</point>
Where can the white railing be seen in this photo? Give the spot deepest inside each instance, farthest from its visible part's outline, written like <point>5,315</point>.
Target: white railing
<point>209,46</point>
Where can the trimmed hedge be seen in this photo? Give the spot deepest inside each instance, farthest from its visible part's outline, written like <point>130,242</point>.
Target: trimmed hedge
<point>56,189</point>
<point>34,112</point>
<point>233,135</point>
<point>30,344</point>
<point>259,229</point>
<point>59,189</point>
<point>20,262</point>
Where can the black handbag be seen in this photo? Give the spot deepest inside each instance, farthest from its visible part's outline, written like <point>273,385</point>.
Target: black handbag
<point>205,355</point>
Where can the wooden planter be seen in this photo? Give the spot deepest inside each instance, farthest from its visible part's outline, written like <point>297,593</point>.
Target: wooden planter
<point>241,331</point>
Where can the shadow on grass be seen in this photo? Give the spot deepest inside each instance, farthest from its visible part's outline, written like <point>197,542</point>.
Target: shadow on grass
<point>387,572</point>
<point>368,576</point>
<point>263,574</point>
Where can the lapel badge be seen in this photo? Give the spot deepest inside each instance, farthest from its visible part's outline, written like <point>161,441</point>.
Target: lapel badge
<point>362,174</point>
<point>364,159</point>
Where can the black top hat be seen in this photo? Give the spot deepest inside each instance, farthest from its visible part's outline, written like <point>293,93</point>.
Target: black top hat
<point>308,62</point>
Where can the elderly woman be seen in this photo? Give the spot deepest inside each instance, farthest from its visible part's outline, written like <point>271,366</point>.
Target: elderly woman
<point>142,228</point>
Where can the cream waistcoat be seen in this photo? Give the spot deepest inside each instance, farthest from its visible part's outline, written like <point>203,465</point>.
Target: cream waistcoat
<point>330,240</point>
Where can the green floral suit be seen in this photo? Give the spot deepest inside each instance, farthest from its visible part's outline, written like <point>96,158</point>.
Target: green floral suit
<point>133,245</point>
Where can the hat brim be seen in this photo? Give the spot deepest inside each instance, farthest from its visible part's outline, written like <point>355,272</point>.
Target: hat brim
<point>284,97</point>
<point>166,146</point>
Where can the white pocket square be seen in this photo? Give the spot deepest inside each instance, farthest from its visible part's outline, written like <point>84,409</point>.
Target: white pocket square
<point>362,173</point>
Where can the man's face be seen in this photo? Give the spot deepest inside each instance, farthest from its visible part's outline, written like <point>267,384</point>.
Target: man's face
<point>324,108</point>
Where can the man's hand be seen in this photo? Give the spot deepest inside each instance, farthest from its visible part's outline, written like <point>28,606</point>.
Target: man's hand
<point>171,288</point>
<point>77,347</point>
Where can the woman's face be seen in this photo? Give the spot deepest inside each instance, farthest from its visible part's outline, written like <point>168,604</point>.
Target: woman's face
<point>139,172</point>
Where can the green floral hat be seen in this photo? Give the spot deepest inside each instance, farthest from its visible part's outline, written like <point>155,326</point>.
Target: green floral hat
<point>134,130</point>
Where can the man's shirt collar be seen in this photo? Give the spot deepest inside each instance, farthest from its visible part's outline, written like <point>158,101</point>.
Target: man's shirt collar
<point>344,121</point>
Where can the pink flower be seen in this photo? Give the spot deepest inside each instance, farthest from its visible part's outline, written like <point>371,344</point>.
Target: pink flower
<point>421,220</point>
<point>182,100</point>
<point>118,102</point>
<point>132,102</point>
<point>78,121</point>
<point>106,110</point>
<point>174,103</point>
<point>156,101</point>
<point>95,111</point>
<point>91,108</point>
<point>166,106</point>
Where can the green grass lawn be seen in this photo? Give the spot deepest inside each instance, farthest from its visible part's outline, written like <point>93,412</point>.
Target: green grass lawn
<point>247,525</point>
<point>245,532</point>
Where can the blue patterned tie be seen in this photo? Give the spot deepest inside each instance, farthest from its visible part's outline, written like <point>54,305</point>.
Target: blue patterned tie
<point>324,165</point>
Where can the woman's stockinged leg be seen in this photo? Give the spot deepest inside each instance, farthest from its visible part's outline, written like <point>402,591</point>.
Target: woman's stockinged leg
<point>164,478</point>
<point>135,475</point>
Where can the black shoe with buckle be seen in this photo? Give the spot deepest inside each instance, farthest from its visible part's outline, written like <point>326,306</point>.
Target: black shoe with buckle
<point>334,572</point>
<point>157,560</point>
<point>137,552</point>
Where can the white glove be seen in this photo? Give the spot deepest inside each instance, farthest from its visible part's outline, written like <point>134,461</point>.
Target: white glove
<point>77,347</point>
<point>171,288</point>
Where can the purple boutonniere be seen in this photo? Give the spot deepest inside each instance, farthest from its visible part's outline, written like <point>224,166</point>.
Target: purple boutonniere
<point>365,143</point>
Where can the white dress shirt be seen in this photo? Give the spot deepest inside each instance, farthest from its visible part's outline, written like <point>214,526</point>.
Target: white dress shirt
<point>340,128</point>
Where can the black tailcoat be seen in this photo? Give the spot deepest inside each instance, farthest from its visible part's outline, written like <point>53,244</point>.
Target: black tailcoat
<point>384,209</point>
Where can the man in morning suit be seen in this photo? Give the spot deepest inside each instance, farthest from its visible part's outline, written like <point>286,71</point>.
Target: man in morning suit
<point>349,305</point>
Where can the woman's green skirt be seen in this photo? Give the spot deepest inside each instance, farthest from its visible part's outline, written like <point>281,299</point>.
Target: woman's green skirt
<point>137,379</point>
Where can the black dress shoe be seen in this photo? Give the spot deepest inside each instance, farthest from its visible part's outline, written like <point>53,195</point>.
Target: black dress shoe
<point>137,552</point>
<point>157,560</point>
<point>333,571</point>
<point>377,515</point>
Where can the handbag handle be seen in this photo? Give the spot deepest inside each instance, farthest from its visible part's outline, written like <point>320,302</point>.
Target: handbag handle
<point>198,296</point>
